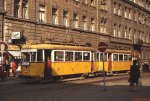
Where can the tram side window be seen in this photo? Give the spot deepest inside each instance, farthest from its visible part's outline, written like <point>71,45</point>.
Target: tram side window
<point>129,57</point>
<point>115,57</point>
<point>101,56</point>
<point>86,56</point>
<point>78,56</point>
<point>33,56</point>
<point>125,58</point>
<point>39,55</point>
<point>59,56</point>
<point>120,57</point>
<point>96,56</point>
<point>68,56</point>
<point>105,57</point>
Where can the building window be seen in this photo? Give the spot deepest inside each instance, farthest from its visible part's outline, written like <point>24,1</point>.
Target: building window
<point>135,16</point>
<point>65,18</point>
<point>103,25</point>
<point>147,38</point>
<point>86,1</point>
<point>146,20</point>
<point>16,8</point>
<point>135,35</point>
<point>130,34</point>
<point>24,8</point>
<point>41,13</point>
<point>92,25</point>
<point>54,15</point>
<point>143,36</point>
<point>140,16</point>
<point>103,5</point>
<point>115,30</point>
<point>115,8</point>
<point>140,35</point>
<point>103,28</point>
<point>142,19</point>
<point>125,32</point>
<point>119,10</point>
<point>84,23</point>
<point>129,14</point>
<point>125,12</point>
<point>92,3</point>
<point>147,4</point>
<point>119,31</point>
<point>75,20</point>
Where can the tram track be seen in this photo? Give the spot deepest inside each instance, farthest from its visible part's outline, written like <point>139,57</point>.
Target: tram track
<point>76,86</point>
<point>64,92</point>
<point>61,89</point>
<point>80,85</point>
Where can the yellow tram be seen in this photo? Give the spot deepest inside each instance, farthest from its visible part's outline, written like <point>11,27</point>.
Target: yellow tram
<point>44,61</point>
<point>115,61</point>
<point>65,60</point>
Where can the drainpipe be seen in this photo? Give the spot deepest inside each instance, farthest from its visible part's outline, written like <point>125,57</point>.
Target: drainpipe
<point>3,15</point>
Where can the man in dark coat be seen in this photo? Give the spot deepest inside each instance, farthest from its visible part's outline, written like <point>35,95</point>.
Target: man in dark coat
<point>134,75</point>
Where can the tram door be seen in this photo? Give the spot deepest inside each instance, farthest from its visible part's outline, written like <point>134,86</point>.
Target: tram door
<point>48,64</point>
<point>109,63</point>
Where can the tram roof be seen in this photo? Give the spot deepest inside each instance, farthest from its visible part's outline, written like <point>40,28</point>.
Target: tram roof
<point>58,47</point>
<point>118,51</point>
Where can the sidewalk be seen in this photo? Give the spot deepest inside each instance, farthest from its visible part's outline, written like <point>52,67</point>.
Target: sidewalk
<point>10,80</point>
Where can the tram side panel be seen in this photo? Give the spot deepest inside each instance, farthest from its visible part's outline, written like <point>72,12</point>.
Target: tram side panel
<point>33,70</point>
<point>69,68</point>
<point>68,62</point>
<point>121,65</point>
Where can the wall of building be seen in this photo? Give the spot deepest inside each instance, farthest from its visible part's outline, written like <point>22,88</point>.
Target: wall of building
<point>102,11</point>
<point>37,32</point>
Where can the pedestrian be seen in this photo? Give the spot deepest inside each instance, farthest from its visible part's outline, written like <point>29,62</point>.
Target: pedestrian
<point>49,66</point>
<point>14,67</point>
<point>134,75</point>
<point>18,70</point>
<point>7,68</point>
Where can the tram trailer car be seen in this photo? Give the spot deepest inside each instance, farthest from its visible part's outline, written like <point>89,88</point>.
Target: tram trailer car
<point>115,61</point>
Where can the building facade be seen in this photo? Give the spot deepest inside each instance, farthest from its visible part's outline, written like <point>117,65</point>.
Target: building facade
<point>120,23</point>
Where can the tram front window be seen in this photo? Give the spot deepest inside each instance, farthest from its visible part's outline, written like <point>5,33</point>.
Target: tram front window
<point>25,56</point>
<point>33,56</point>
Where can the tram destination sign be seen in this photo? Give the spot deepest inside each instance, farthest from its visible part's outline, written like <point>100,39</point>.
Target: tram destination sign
<point>102,46</point>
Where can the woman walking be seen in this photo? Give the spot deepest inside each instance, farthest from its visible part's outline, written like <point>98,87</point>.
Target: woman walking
<point>134,75</point>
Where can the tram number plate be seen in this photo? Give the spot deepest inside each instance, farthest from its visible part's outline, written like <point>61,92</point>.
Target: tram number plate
<point>25,63</point>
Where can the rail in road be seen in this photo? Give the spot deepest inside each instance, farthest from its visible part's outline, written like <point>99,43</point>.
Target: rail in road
<point>58,90</point>
<point>84,83</point>
<point>89,82</point>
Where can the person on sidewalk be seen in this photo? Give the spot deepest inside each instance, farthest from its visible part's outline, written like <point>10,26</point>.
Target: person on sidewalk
<point>14,67</point>
<point>134,75</point>
<point>7,68</point>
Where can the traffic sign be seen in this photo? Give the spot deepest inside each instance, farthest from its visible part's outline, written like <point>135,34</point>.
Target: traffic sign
<point>102,46</point>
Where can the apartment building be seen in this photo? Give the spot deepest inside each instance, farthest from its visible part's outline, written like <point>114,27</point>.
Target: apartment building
<point>120,23</point>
